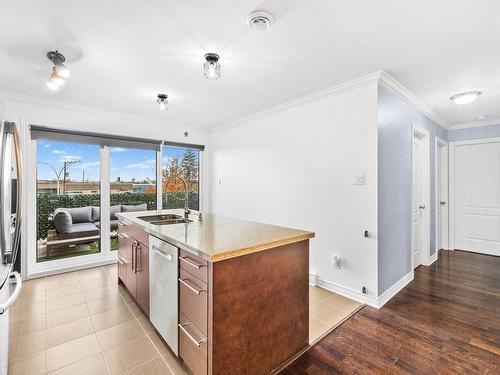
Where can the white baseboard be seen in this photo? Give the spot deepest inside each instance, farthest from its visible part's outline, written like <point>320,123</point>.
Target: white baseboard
<point>370,300</point>
<point>432,258</point>
<point>393,290</point>
<point>313,279</point>
<point>59,270</point>
<point>347,292</point>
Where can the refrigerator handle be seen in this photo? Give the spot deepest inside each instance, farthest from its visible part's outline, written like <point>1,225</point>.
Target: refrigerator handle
<point>19,193</point>
<point>5,306</point>
<point>5,186</point>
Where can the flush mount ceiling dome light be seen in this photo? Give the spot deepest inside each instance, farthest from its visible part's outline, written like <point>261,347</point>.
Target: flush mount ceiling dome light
<point>465,98</point>
<point>260,20</point>
<point>59,71</point>
<point>162,101</point>
<point>211,67</point>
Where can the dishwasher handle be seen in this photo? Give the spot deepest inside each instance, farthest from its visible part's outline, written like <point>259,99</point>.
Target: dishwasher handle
<point>157,251</point>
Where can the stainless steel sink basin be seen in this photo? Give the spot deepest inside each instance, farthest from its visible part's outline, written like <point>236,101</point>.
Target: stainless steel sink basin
<point>150,218</point>
<point>165,219</point>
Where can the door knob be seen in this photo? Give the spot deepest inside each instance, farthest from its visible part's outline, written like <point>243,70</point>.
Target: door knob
<point>442,203</point>
<point>422,207</point>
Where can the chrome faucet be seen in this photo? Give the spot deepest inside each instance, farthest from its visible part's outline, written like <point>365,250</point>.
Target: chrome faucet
<point>187,211</point>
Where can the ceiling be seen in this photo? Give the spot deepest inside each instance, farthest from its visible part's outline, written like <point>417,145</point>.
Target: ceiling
<point>123,53</point>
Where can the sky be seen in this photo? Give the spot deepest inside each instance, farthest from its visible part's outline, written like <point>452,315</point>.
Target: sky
<point>126,163</point>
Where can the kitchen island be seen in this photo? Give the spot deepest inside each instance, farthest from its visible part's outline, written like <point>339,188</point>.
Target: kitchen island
<point>241,296</point>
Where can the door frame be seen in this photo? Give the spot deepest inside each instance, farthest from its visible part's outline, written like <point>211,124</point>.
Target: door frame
<point>451,187</point>
<point>439,142</point>
<point>426,248</point>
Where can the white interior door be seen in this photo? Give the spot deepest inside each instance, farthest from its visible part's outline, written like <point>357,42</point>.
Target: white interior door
<point>442,196</point>
<point>477,197</point>
<point>420,199</point>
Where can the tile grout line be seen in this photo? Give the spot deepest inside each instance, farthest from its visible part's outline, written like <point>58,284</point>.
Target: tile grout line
<point>95,333</point>
<point>146,334</point>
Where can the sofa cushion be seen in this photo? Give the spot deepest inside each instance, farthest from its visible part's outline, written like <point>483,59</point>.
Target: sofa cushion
<point>113,210</point>
<point>134,208</point>
<point>62,220</point>
<point>80,214</point>
<point>96,213</point>
<point>79,230</point>
<point>113,224</point>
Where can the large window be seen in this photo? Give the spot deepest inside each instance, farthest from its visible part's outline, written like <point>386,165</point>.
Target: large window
<point>132,183</point>
<point>180,168</point>
<point>83,181</point>
<point>68,200</point>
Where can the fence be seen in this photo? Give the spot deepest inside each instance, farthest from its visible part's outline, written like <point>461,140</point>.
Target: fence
<point>47,204</point>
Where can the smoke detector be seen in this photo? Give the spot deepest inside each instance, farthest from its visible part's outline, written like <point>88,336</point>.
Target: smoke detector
<point>260,20</point>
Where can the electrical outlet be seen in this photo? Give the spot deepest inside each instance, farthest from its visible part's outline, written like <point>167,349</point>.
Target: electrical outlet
<point>364,290</point>
<point>336,261</point>
<point>359,179</point>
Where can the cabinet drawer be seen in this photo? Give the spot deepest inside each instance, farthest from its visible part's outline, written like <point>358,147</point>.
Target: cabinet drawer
<point>194,265</point>
<point>122,267</point>
<point>192,347</point>
<point>193,300</point>
<point>134,231</point>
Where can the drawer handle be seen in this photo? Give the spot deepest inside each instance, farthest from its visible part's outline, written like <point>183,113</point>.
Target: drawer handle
<point>192,264</point>
<point>121,224</point>
<point>197,343</point>
<point>120,260</point>
<point>122,236</point>
<point>183,281</point>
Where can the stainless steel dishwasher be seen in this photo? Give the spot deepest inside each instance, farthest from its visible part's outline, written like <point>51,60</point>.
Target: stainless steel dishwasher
<point>163,290</point>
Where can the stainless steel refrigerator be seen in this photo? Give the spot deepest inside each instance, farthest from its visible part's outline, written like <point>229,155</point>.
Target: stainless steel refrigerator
<point>10,230</point>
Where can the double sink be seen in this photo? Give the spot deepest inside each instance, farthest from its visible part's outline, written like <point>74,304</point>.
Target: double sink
<point>165,219</point>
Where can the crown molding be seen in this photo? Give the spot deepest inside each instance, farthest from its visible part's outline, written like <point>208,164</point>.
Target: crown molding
<point>389,82</point>
<point>6,96</point>
<point>345,86</point>
<point>476,124</point>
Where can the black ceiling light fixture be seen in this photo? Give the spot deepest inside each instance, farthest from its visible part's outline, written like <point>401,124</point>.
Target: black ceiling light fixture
<point>162,101</point>
<point>211,67</point>
<point>59,71</point>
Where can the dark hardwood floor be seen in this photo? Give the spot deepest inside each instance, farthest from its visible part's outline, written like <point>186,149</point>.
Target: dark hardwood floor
<point>446,321</point>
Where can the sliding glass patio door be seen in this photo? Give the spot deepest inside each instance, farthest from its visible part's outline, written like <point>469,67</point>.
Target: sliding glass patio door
<point>68,200</point>
<point>132,184</point>
<point>84,179</point>
<point>82,182</point>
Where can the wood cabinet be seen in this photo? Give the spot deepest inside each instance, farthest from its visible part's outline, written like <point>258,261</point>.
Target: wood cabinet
<point>133,262</point>
<point>247,315</point>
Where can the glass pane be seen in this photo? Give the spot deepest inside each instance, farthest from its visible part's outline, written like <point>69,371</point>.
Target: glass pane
<point>68,200</point>
<point>180,165</point>
<point>132,183</point>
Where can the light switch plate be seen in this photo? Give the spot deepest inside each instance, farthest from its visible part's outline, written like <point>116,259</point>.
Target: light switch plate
<point>359,179</point>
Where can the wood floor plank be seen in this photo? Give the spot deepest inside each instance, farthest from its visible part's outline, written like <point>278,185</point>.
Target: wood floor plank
<point>446,321</point>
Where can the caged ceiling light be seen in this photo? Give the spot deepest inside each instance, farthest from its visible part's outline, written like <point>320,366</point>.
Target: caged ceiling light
<point>59,71</point>
<point>162,101</point>
<point>212,68</point>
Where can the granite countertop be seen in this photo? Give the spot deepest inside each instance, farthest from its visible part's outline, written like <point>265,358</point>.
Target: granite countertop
<point>217,238</point>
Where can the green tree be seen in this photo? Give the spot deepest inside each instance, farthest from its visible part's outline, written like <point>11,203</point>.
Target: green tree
<point>189,165</point>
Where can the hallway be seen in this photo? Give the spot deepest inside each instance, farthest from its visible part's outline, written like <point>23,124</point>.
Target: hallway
<point>446,321</point>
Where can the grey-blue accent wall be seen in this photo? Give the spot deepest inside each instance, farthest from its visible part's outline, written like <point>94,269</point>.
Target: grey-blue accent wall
<point>395,119</point>
<point>480,132</point>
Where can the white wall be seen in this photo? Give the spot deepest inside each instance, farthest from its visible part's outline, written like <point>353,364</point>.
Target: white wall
<point>26,111</point>
<point>295,166</point>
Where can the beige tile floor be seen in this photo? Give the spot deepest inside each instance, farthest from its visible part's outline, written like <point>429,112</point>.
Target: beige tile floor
<point>327,311</point>
<point>83,323</point>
